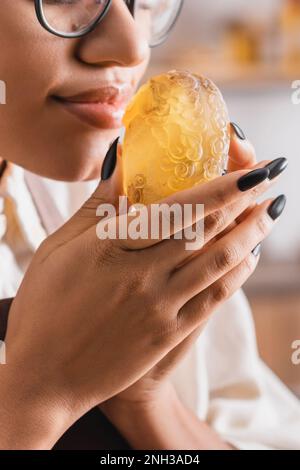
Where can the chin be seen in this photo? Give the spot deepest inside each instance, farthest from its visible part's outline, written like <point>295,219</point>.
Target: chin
<point>84,156</point>
<point>81,169</point>
<point>69,167</point>
<point>72,157</point>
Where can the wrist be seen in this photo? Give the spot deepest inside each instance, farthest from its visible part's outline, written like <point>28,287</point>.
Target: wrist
<point>140,420</point>
<point>143,404</point>
<point>30,419</point>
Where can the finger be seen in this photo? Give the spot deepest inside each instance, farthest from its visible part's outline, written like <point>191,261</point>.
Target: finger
<point>248,209</point>
<point>193,316</point>
<point>110,186</point>
<point>241,152</point>
<point>261,164</point>
<point>220,222</point>
<point>216,224</point>
<point>233,208</point>
<point>226,253</point>
<point>177,354</point>
<point>107,192</point>
<point>212,195</point>
<point>276,167</point>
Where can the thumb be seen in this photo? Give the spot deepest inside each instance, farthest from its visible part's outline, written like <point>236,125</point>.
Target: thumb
<point>241,152</point>
<point>107,192</point>
<point>110,186</point>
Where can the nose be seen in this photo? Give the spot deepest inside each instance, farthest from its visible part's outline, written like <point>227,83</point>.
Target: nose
<point>117,40</point>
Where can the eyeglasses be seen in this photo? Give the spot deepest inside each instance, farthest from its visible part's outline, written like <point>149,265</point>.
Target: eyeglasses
<point>75,18</point>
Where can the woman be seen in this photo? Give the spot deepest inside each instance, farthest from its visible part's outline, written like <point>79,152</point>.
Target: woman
<point>114,325</point>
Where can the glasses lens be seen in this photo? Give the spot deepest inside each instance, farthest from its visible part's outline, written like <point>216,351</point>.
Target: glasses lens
<point>157,17</point>
<point>72,16</point>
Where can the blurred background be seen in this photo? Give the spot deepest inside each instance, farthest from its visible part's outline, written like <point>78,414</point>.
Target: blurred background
<point>252,51</point>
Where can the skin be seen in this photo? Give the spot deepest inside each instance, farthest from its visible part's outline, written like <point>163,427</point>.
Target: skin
<point>46,65</point>
<point>147,288</point>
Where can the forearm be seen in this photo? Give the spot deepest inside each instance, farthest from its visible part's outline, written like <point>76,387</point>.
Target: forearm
<point>164,423</point>
<point>28,420</point>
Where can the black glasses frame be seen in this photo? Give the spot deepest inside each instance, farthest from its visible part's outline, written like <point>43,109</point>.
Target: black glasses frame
<point>130,4</point>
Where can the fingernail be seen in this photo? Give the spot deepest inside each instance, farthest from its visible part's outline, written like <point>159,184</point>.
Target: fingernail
<point>252,179</point>
<point>110,161</point>
<point>257,250</point>
<point>277,207</point>
<point>276,167</point>
<point>238,131</point>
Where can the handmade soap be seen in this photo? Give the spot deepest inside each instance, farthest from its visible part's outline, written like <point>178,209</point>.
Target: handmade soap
<point>176,136</point>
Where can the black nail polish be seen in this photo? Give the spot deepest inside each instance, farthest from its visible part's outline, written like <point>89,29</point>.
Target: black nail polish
<point>252,179</point>
<point>277,207</point>
<point>238,131</point>
<point>276,167</point>
<point>110,161</point>
<point>257,250</point>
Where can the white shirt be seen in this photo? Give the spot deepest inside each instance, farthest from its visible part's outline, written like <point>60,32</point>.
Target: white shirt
<point>222,379</point>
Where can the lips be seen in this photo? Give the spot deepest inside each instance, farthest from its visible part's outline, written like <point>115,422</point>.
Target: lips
<point>101,108</point>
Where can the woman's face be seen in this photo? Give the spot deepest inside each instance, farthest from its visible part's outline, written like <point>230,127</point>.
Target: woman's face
<point>51,124</point>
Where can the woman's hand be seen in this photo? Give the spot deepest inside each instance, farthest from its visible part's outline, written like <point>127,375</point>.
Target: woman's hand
<point>155,384</point>
<point>92,317</point>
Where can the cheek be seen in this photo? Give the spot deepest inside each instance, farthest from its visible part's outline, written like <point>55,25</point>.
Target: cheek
<point>27,55</point>
<point>141,68</point>
<point>29,67</point>
<point>28,73</point>
<point>30,57</point>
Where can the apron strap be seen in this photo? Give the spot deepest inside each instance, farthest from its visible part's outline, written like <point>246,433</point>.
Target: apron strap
<point>49,214</point>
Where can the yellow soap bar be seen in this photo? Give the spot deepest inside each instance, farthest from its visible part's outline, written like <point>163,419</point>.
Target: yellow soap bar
<point>176,136</point>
